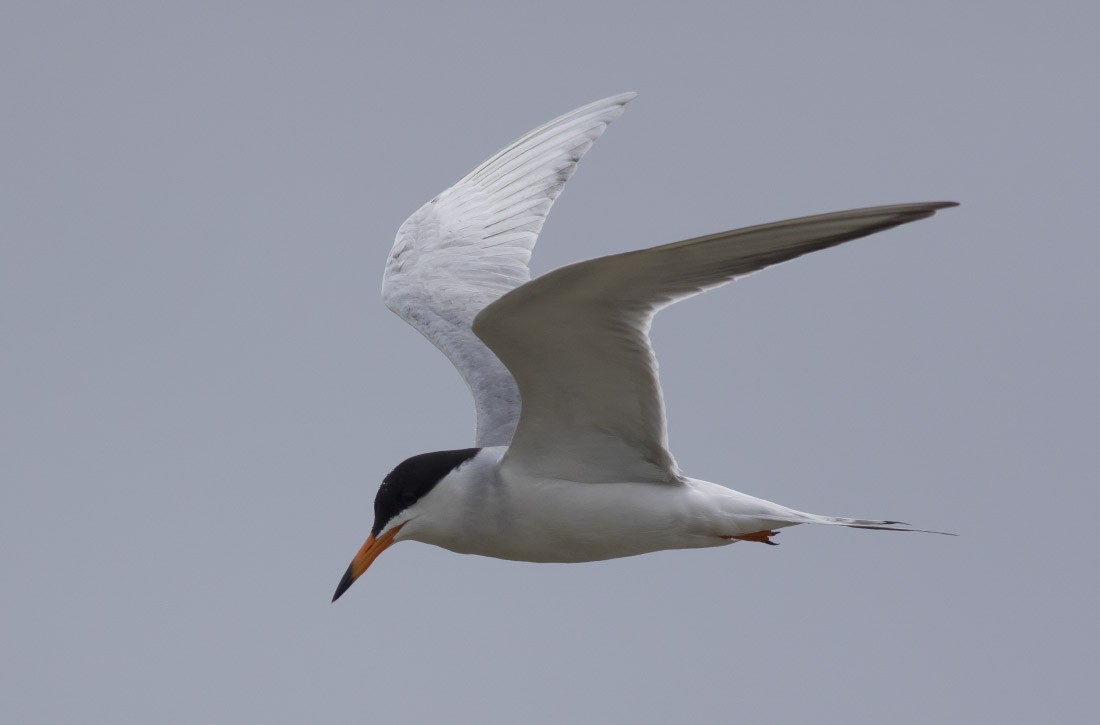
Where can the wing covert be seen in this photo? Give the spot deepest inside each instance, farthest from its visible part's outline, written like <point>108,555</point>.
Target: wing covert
<point>577,341</point>
<point>472,243</point>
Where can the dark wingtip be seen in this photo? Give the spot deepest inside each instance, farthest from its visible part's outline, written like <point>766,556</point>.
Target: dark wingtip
<point>344,584</point>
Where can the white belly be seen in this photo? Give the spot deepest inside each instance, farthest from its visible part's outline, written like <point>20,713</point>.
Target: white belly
<point>564,521</point>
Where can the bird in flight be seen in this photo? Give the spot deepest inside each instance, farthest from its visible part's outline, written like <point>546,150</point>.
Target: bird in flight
<point>571,461</point>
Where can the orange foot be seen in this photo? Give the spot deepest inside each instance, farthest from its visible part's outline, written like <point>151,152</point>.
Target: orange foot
<point>764,537</point>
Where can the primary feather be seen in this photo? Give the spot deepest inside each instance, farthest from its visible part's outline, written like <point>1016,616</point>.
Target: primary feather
<point>577,341</point>
<point>472,243</point>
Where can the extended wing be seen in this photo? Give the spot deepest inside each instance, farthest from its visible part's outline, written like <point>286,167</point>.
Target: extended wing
<point>577,341</point>
<point>472,243</point>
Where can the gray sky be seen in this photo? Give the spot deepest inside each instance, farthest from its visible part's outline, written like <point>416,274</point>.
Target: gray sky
<point>201,389</point>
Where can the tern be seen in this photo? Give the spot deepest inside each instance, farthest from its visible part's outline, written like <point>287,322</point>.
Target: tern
<point>570,460</point>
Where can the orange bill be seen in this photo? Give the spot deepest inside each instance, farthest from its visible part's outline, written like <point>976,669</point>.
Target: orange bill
<point>366,556</point>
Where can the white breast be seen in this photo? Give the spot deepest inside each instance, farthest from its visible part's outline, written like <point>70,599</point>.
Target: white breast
<point>475,511</point>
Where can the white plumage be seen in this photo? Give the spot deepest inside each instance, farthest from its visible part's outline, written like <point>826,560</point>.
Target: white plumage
<point>471,244</point>
<point>572,462</point>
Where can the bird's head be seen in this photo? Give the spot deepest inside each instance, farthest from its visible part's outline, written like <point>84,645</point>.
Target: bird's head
<point>401,500</point>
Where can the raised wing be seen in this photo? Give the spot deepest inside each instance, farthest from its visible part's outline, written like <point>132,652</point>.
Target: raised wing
<point>577,341</point>
<point>471,244</point>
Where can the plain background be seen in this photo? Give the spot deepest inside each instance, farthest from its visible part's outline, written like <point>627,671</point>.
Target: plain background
<point>201,389</point>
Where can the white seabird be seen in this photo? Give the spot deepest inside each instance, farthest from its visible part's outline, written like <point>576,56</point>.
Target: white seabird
<point>571,460</point>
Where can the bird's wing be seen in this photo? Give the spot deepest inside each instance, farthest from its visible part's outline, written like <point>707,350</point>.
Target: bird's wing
<point>577,341</point>
<point>471,244</point>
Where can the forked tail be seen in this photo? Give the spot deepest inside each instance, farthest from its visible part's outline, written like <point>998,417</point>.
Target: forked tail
<point>867,524</point>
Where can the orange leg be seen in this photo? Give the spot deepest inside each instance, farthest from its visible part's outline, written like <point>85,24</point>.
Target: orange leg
<point>764,537</point>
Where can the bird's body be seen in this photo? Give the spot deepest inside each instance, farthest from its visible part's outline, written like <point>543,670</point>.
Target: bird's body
<point>552,520</point>
<point>571,462</point>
